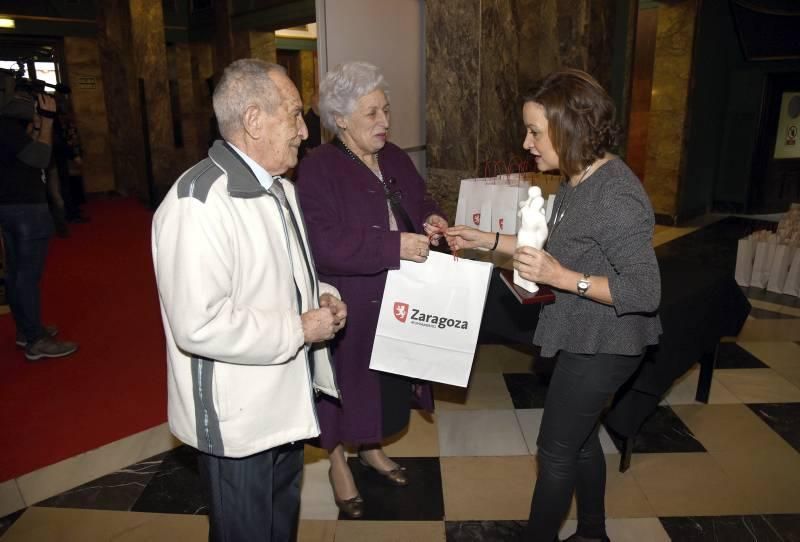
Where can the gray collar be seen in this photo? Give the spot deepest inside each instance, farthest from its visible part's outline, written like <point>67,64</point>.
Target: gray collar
<point>242,182</point>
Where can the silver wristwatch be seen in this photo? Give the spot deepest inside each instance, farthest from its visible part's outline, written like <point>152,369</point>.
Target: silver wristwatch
<point>584,284</point>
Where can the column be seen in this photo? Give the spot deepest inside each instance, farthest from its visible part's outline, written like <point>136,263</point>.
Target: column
<point>666,132</point>
<point>150,54</point>
<point>121,93</point>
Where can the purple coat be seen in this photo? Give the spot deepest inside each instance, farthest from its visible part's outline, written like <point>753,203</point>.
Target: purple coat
<point>347,221</point>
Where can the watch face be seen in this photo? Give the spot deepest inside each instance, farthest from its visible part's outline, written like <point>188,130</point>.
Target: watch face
<point>583,284</point>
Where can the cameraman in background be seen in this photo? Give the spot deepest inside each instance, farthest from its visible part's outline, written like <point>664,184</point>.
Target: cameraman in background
<point>26,137</point>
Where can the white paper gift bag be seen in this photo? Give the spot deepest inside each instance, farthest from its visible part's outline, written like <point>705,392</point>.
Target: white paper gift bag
<point>744,261</point>
<point>474,206</point>
<point>505,206</point>
<point>765,252</point>
<point>430,317</point>
<point>780,268</point>
<point>791,285</point>
<point>464,193</point>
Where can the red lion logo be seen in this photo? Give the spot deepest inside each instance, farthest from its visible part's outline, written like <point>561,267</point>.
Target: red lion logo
<point>401,311</point>
<point>476,219</point>
<point>501,221</point>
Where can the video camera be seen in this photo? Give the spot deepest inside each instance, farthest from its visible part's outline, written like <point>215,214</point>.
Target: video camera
<point>13,82</point>
<point>33,86</point>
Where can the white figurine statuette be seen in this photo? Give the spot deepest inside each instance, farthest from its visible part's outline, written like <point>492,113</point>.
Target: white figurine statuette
<point>533,230</point>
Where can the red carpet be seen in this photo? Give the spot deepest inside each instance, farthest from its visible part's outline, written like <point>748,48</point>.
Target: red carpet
<point>100,291</point>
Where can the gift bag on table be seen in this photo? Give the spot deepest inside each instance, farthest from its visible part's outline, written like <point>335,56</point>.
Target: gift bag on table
<point>762,263</point>
<point>791,285</point>
<point>430,317</point>
<point>780,268</point>
<point>745,254</point>
<point>474,207</point>
<point>506,196</point>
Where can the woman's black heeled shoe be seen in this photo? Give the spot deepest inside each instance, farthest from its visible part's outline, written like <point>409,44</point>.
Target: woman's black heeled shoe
<point>353,507</point>
<point>396,477</point>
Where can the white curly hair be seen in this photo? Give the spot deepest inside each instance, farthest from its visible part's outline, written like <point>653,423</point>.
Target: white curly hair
<point>342,88</point>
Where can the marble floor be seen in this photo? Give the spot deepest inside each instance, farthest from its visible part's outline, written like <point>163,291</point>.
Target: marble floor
<point>725,471</point>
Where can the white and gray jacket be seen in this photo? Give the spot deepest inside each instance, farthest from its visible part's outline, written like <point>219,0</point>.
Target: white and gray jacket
<point>239,372</point>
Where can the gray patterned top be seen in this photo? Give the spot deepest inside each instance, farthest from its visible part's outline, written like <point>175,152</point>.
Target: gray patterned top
<point>606,229</point>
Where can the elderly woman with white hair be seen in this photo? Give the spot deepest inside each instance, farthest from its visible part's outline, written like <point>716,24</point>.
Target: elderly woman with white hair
<point>366,208</point>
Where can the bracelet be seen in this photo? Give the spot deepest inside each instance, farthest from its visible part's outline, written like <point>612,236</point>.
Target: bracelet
<point>47,114</point>
<point>496,240</point>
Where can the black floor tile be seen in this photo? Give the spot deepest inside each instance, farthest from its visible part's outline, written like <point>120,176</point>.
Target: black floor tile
<point>780,528</point>
<point>786,525</point>
<point>733,356</point>
<point>663,432</point>
<point>764,314</point>
<point>485,531</point>
<point>783,418</point>
<point>420,500</point>
<point>116,491</point>
<point>175,488</point>
<point>8,521</point>
<point>527,390</point>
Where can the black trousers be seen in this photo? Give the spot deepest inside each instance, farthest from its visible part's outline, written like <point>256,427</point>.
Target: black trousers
<point>26,233</point>
<point>570,457</point>
<point>254,498</point>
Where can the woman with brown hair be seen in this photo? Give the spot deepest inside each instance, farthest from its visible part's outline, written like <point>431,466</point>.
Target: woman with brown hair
<point>599,261</point>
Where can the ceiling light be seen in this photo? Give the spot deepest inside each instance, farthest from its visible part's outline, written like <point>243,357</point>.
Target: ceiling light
<point>7,23</point>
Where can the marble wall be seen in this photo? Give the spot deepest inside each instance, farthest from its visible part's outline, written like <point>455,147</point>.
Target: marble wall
<point>121,93</point>
<point>452,95</point>
<point>250,44</point>
<point>191,150</point>
<point>264,46</point>
<point>667,118</point>
<point>224,48</point>
<point>481,55</point>
<point>84,75</point>
<point>309,76</point>
<point>202,60</point>
<point>150,57</point>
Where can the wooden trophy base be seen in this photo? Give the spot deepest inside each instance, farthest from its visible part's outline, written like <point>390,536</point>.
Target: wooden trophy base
<point>543,295</point>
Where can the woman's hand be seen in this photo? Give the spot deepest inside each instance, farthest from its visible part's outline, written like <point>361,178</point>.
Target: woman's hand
<point>413,247</point>
<point>462,237</point>
<point>434,227</point>
<point>537,266</point>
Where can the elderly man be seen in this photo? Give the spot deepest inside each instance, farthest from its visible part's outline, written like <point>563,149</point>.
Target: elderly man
<point>244,315</point>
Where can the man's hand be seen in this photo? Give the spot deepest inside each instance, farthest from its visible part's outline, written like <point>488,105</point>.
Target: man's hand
<point>318,325</point>
<point>45,102</point>
<point>43,120</point>
<point>322,324</point>
<point>337,307</point>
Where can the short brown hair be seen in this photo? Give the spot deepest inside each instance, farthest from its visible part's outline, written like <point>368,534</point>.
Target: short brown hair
<point>581,117</point>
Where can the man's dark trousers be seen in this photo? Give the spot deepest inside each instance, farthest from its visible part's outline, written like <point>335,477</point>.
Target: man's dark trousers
<point>26,233</point>
<point>254,498</point>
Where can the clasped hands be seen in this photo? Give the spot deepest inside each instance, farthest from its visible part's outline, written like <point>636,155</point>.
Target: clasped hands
<point>323,323</point>
<point>532,264</point>
<point>416,247</point>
